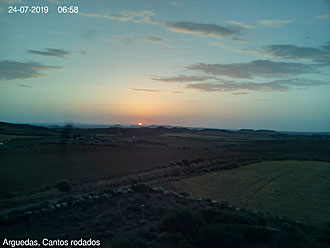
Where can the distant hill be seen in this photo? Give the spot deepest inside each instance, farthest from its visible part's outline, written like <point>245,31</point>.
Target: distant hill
<point>261,131</point>
<point>10,128</point>
<point>152,130</point>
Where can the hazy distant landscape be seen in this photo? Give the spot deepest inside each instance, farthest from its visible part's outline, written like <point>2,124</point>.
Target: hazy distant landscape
<point>252,178</point>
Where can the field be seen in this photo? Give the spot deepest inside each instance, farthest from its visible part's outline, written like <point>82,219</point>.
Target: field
<point>32,167</point>
<point>243,188</point>
<point>298,189</point>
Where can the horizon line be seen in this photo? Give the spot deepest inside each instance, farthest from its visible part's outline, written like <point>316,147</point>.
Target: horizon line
<point>61,124</point>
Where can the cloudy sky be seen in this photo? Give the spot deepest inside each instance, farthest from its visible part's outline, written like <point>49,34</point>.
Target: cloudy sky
<point>259,64</point>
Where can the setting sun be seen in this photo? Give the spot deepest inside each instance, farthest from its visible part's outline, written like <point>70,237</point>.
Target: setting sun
<point>140,124</point>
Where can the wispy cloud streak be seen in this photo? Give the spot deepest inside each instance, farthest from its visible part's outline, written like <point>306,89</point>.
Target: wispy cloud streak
<point>273,23</point>
<point>50,52</point>
<point>183,78</point>
<point>145,90</point>
<point>200,29</point>
<point>256,68</point>
<point>275,86</point>
<point>10,69</point>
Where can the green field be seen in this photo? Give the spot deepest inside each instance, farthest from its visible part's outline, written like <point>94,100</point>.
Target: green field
<point>296,189</point>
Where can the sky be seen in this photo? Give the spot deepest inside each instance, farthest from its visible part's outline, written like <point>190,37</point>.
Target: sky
<point>259,64</point>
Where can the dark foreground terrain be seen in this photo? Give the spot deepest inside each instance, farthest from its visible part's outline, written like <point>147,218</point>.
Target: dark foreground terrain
<point>71,183</point>
<point>114,218</point>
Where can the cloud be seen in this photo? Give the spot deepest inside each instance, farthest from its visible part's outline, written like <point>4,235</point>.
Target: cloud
<point>256,51</point>
<point>325,16</point>
<point>83,52</point>
<point>296,52</point>
<point>240,93</point>
<point>301,82</point>
<point>105,16</point>
<point>139,16</point>
<point>241,24</point>
<point>11,1</point>
<point>154,39</point>
<point>256,68</point>
<point>51,52</point>
<point>276,85</point>
<point>172,3</point>
<point>200,29</point>
<point>10,70</point>
<point>228,47</point>
<point>126,39</point>
<point>129,39</point>
<point>249,86</point>
<point>55,1</point>
<point>145,16</point>
<point>218,44</point>
<point>273,23</point>
<point>326,47</point>
<point>24,85</point>
<point>240,40</point>
<point>183,78</point>
<point>145,90</point>
<point>177,92</point>
<point>142,16</point>
<point>319,55</point>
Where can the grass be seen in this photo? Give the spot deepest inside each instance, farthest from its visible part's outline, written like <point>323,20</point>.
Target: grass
<point>4,137</point>
<point>297,189</point>
<point>210,227</point>
<point>191,135</point>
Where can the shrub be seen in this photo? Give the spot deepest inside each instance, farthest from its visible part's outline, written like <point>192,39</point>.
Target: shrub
<point>141,188</point>
<point>257,235</point>
<point>185,194</point>
<point>290,240</point>
<point>219,235</point>
<point>230,166</point>
<point>175,172</point>
<point>186,162</point>
<point>64,186</point>
<point>171,238</point>
<point>136,180</point>
<point>182,220</point>
<point>10,194</point>
<point>212,215</point>
<point>129,241</point>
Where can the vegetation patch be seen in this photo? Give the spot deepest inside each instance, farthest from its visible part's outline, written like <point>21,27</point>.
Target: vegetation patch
<point>290,188</point>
